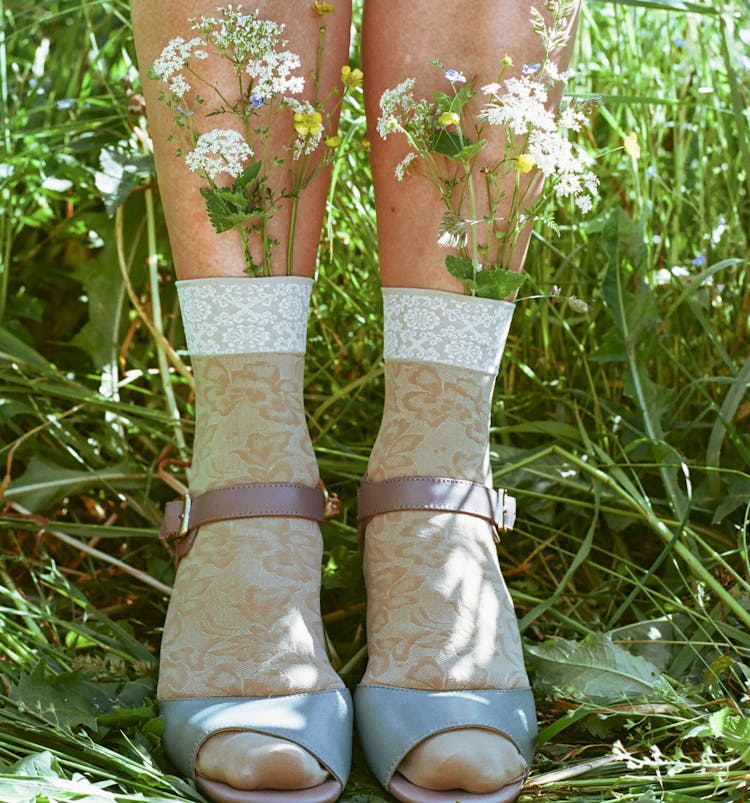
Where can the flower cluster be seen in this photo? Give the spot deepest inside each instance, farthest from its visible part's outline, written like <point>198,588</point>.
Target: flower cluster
<point>523,108</point>
<point>491,196</point>
<point>173,60</point>
<point>222,150</point>
<point>251,173</point>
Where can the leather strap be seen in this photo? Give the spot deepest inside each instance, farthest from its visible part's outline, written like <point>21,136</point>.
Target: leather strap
<point>184,516</point>
<point>439,494</point>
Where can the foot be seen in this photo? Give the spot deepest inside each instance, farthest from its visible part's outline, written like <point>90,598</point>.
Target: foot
<point>439,613</point>
<point>472,759</point>
<point>248,760</point>
<point>244,617</point>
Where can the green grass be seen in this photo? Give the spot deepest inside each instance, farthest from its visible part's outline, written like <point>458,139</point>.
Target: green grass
<point>623,432</point>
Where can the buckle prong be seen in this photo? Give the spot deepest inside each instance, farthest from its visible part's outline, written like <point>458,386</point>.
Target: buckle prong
<point>185,520</point>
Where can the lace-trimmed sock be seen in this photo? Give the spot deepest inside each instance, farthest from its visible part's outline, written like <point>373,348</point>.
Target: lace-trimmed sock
<point>244,617</point>
<point>439,614</point>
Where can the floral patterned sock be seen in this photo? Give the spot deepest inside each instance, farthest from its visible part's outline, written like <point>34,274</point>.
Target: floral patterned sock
<point>439,614</point>
<point>244,617</point>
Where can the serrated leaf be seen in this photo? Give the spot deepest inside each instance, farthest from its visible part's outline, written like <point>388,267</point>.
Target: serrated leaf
<point>498,283</point>
<point>60,700</point>
<point>596,670</point>
<point>226,207</point>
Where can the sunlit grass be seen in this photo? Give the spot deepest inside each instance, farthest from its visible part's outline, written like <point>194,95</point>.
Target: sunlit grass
<point>633,498</point>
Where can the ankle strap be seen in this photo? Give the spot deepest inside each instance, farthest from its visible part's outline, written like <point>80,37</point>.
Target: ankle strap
<point>439,494</point>
<point>184,516</point>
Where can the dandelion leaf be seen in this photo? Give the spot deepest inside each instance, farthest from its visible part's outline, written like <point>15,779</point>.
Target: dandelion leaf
<point>498,283</point>
<point>595,670</point>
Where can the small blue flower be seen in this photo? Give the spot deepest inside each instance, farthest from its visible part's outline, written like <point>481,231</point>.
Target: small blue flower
<point>699,261</point>
<point>65,103</point>
<point>530,69</point>
<point>256,101</point>
<point>183,111</point>
<point>679,43</point>
<point>455,77</point>
<point>650,172</point>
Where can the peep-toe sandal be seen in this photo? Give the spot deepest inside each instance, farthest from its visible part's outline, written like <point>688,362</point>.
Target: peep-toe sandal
<point>319,722</point>
<point>392,720</point>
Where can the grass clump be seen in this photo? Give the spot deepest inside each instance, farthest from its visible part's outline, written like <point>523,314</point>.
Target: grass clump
<point>622,430</point>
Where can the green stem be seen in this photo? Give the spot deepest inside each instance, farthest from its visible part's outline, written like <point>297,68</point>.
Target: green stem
<point>158,325</point>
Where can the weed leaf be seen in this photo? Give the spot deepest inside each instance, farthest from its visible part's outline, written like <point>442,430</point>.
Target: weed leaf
<point>595,670</point>
<point>119,174</point>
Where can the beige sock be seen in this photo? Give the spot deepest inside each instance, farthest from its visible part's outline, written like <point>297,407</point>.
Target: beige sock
<point>439,614</point>
<point>244,618</point>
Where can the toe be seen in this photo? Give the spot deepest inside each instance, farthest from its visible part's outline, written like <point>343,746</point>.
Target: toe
<point>247,760</point>
<point>472,759</point>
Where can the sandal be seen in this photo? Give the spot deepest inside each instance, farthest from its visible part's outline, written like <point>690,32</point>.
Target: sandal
<point>392,720</point>
<point>319,722</point>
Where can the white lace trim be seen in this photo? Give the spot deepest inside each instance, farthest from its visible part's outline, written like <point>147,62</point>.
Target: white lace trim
<point>436,326</point>
<point>242,316</point>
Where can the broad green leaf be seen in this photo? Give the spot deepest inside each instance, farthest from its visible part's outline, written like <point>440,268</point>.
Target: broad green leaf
<point>61,700</point>
<point>44,482</point>
<point>596,670</point>
<point>38,765</point>
<point>459,268</point>
<point>447,143</point>
<point>227,208</point>
<point>119,174</point>
<point>498,283</point>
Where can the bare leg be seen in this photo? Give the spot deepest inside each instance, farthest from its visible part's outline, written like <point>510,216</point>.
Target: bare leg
<point>198,251</point>
<point>192,653</point>
<point>400,41</point>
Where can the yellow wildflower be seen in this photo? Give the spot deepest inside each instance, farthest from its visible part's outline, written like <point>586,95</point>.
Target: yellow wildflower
<point>525,163</point>
<point>323,8</point>
<point>366,146</point>
<point>351,77</point>
<point>333,142</point>
<point>449,118</point>
<point>308,125</point>
<point>632,148</point>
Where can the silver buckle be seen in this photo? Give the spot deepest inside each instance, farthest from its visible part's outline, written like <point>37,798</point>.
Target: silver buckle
<point>185,519</point>
<point>505,513</point>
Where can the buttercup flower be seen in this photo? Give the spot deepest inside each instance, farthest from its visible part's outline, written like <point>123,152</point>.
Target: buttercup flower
<point>222,150</point>
<point>632,148</point>
<point>308,124</point>
<point>525,163</point>
<point>507,61</point>
<point>455,77</point>
<point>449,118</point>
<point>351,77</point>
<point>333,142</point>
<point>323,8</point>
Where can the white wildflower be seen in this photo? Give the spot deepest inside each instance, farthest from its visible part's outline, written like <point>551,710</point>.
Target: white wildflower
<point>222,150</point>
<point>240,36</point>
<point>492,89</point>
<point>522,107</point>
<point>403,164</point>
<point>572,117</point>
<point>272,74</point>
<point>173,60</point>
<point>395,106</point>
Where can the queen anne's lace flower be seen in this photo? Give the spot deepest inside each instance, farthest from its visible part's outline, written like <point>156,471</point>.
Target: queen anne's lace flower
<point>173,60</point>
<point>222,150</point>
<point>272,74</point>
<point>402,166</point>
